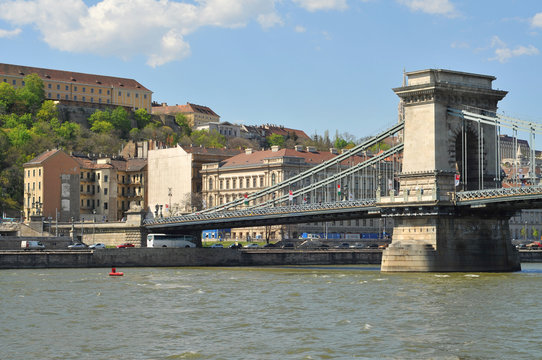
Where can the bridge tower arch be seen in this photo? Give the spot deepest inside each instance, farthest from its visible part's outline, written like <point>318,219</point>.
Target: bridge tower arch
<point>430,233</point>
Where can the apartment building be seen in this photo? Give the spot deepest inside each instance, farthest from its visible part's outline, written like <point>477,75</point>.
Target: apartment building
<point>74,87</point>
<point>83,187</point>
<point>175,181</point>
<point>51,186</point>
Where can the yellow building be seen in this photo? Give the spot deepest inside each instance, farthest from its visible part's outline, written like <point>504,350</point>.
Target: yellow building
<point>67,86</point>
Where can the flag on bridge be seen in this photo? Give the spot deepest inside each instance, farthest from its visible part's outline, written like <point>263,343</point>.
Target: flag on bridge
<point>457,178</point>
<point>339,189</point>
<point>246,199</point>
<point>290,195</point>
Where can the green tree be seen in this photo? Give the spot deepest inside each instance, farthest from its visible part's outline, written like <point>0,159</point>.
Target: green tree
<point>69,131</point>
<point>142,118</point>
<point>182,121</point>
<point>120,120</point>
<point>102,127</point>
<point>275,139</point>
<point>99,115</point>
<point>31,95</point>
<point>7,97</point>
<point>19,136</point>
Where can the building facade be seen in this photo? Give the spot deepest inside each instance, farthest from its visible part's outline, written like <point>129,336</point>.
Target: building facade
<point>51,186</point>
<point>251,171</point>
<point>79,187</point>
<point>67,86</point>
<point>196,115</point>
<point>175,180</point>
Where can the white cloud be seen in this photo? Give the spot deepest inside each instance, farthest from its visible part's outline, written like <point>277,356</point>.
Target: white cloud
<point>436,7</point>
<point>315,5</point>
<point>459,45</point>
<point>300,29</point>
<point>537,20</point>
<point>9,33</point>
<point>503,53</point>
<point>125,28</point>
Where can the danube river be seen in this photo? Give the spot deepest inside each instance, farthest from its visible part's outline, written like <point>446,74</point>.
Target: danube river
<point>269,313</point>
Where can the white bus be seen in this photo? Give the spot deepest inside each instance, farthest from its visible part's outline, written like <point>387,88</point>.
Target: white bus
<point>173,241</point>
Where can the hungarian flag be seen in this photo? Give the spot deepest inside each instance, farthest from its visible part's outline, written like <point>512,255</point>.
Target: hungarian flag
<point>290,195</point>
<point>457,178</point>
<point>246,199</point>
<point>339,189</point>
<point>304,200</point>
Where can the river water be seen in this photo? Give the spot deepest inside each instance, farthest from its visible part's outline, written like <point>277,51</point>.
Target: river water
<point>269,313</point>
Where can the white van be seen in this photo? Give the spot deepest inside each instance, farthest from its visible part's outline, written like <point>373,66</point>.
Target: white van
<point>30,244</point>
<point>173,241</point>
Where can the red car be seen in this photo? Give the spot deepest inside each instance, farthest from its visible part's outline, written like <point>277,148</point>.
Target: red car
<point>125,245</point>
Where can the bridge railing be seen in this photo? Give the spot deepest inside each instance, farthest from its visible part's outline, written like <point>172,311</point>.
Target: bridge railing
<point>292,209</point>
<point>499,192</point>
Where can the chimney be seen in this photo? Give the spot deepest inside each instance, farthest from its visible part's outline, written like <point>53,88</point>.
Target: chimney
<point>275,148</point>
<point>298,148</point>
<point>311,149</point>
<point>333,151</point>
<point>248,151</point>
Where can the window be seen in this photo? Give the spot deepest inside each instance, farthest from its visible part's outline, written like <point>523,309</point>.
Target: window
<point>88,202</point>
<point>84,89</point>
<point>84,98</point>
<point>81,188</point>
<point>233,184</point>
<point>75,98</point>
<point>14,82</point>
<point>49,95</point>
<point>98,203</point>
<point>75,88</point>
<point>39,185</point>
<point>58,87</point>
<point>210,183</point>
<point>98,189</point>
<point>67,97</point>
<point>107,92</point>
<point>136,95</point>
<point>58,96</point>
<point>253,182</point>
<point>91,100</point>
<point>144,96</point>
<point>120,93</point>
<point>106,178</point>
<point>39,172</point>
<point>105,191</point>
<point>128,94</point>
<point>105,206</point>
<point>99,91</point>
<point>49,86</point>
<point>108,101</point>
<point>34,172</point>
<point>273,179</point>
<point>67,88</point>
<point>92,91</point>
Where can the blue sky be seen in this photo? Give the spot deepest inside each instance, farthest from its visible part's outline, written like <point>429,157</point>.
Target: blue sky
<point>314,65</point>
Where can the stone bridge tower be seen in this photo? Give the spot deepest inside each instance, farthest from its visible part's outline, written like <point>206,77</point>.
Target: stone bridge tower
<point>430,233</point>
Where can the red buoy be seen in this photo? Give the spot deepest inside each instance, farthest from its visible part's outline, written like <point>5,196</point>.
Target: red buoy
<point>115,273</point>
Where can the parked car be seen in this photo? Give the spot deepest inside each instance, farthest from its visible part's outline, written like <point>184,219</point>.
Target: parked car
<point>288,246</point>
<point>252,246</point>
<point>235,246</point>
<point>358,246</point>
<point>344,245</point>
<point>97,246</point>
<point>217,246</point>
<point>270,245</point>
<point>372,246</point>
<point>77,246</point>
<point>125,245</point>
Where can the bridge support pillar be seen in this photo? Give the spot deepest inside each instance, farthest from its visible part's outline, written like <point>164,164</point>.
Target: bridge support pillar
<point>445,244</point>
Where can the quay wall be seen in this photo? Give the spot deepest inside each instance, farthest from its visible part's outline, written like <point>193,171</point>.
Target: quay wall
<point>160,257</point>
<point>152,257</point>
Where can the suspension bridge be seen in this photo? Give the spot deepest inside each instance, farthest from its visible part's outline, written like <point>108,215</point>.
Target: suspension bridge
<point>436,173</point>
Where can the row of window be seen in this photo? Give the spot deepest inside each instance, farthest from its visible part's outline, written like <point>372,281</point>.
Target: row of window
<point>33,172</point>
<point>243,183</point>
<point>92,204</point>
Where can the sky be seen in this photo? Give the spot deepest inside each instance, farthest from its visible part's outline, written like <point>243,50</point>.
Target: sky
<point>313,65</point>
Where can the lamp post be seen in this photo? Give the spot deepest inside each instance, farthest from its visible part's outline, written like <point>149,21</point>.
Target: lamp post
<point>93,225</point>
